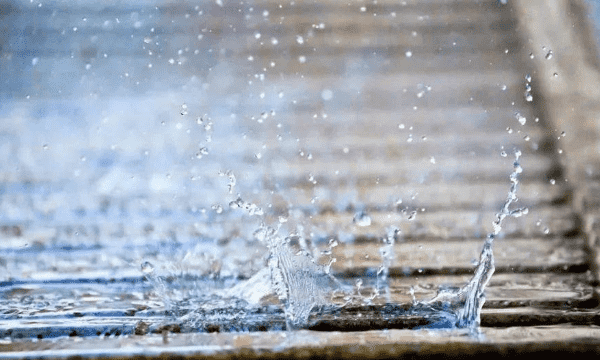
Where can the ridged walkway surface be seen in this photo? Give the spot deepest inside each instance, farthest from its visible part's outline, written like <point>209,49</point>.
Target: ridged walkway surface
<point>143,147</point>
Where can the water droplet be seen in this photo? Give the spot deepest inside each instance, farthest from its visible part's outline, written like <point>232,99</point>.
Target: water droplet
<point>257,35</point>
<point>184,109</point>
<point>45,147</point>
<point>217,208</point>
<point>528,78</point>
<point>408,54</point>
<point>555,74</point>
<point>412,215</point>
<point>552,181</point>
<point>299,39</point>
<point>302,59</point>
<point>147,267</point>
<point>503,153</point>
<point>528,97</point>
<point>549,55</point>
<point>519,212</point>
<point>531,56</point>
<point>362,219</point>
<point>522,119</point>
<point>283,219</point>
<point>432,160</point>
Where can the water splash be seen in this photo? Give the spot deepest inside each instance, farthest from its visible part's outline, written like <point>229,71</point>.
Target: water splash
<point>466,303</point>
<point>387,255</point>
<point>299,282</point>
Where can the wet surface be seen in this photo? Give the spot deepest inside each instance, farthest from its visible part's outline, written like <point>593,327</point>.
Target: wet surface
<point>142,149</point>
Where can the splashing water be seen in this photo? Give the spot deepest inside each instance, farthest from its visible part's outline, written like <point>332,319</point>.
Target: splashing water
<point>296,278</point>
<point>466,303</point>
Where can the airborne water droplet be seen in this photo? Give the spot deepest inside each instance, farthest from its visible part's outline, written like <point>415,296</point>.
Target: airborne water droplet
<point>412,215</point>
<point>147,267</point>
<point>362,219</point>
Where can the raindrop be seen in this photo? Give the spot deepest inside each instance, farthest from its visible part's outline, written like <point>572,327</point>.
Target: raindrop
<point>362,219</point>
<point>412,215</point>
<point>184,109</point>
<point>531,56</point>
<point>147,267</point>
<point>549,55</point>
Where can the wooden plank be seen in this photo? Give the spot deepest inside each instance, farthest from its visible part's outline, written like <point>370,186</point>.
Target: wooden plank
<point>447,224</point>
<point>415,257</point>
<point>384,194</point>
<point>519,342</point>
